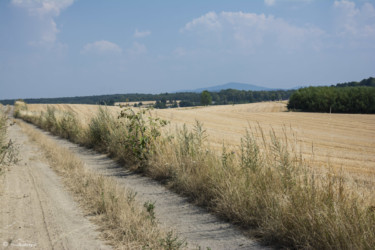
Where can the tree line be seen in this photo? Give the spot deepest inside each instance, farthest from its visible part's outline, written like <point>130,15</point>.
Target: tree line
<point>164,100</point>
<point>369,82</point>
<point>342,98</point>
<point>350,97</point>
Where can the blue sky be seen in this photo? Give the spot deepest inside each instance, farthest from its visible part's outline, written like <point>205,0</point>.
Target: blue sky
<point>89,47</point>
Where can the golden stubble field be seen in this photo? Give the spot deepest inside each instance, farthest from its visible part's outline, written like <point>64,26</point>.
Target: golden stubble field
<point>342,141</point>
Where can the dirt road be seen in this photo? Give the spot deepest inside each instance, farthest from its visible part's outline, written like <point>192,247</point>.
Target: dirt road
<point>201,229</point>
<point>35,210</point>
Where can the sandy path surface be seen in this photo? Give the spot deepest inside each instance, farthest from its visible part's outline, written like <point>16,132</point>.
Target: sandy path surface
<point>196,225</point>
<point>35,209</point>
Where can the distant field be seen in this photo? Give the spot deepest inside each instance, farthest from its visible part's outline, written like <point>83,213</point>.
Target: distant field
<point>132,103</point>
<point>338,140</point>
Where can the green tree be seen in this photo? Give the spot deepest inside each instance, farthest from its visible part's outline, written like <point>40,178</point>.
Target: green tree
<point>206,98</point>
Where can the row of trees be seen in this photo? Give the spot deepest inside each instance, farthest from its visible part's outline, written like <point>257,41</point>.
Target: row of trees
<point>164,100</point>
<point>233,96</point>
<point>369,82</point>
<point>334,99</point>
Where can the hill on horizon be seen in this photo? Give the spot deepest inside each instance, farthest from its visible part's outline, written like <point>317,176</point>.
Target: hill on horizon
<point>230,85</point>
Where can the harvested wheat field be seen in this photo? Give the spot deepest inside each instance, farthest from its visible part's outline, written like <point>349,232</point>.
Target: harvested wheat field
<point>340,141</point>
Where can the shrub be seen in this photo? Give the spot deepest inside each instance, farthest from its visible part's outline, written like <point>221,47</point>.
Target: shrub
<point>133,139</point>
<point>100,129</point>
<point>50,122</point>
<point>18,107</point>
<point>69,127</point>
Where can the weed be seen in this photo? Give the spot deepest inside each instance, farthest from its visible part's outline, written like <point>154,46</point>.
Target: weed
<point>150,207</point>
<point>139,134</point>
<point>171,242</point>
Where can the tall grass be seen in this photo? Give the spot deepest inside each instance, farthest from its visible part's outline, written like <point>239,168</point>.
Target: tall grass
<point>8,150</point>
<point>3,133</point>
<point>123,222</point>
<point>268,186</point>
<point>264,184</point>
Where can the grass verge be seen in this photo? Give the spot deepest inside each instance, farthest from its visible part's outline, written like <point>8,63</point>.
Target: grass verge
<point>123,222</point>
<point>263,184</point>
<point>8,150</point>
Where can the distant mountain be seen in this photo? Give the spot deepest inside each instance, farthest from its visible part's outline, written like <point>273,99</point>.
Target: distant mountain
<point>230,85</point>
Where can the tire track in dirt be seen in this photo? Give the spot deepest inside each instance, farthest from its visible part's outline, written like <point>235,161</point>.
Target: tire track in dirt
<point>201,229</point>
<point>35,209</point>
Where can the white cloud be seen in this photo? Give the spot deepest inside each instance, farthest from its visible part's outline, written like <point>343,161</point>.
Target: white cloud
<point>269,2</point>
<point>137,49</point>
<point>46,11</point>
<point>248,31</point>
<point>43,7</point>
<point>140,34</point>
<point>102,48</point>
<point>273,2</point>
<point>208,21</point>
<point>355,22</point>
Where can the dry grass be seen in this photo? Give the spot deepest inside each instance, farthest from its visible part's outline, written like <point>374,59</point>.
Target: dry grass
<point>3,134</point>
<point>8,150</point>
<point>344,141</point>
<point>268,186</point>
<point>123,222</point>
<point>266,182</point>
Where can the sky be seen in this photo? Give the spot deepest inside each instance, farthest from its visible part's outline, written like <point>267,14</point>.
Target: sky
<point>59,48</point>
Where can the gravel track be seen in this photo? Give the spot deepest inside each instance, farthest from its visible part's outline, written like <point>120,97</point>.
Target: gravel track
<point>195,224</point>
<point>36,211</point>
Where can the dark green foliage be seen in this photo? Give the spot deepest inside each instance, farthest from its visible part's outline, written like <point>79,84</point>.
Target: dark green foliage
<point>228,96</point>
<point>233,96</point>
<point>206,98</point>
<point>150,207</point>
<point>160,105</point>
<point>187,104</point>
<point>334,99</point>
<point>369,82</point>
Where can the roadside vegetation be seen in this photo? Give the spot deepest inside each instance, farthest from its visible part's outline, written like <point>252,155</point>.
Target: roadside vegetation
<point>8,151</point>
<point>123,222</point>
<point>264,185</point>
